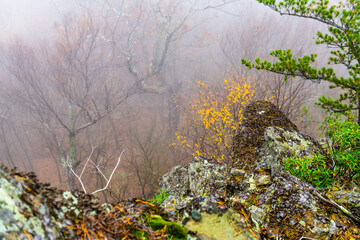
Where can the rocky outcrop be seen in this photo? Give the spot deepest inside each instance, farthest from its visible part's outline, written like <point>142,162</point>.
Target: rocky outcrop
<point>254,198</point>
<point>279,144</point>
<point>29,209</point>
<point>253,206</point>
<point>33,210</point>
<point>249,137</point>
<point>265,126</point>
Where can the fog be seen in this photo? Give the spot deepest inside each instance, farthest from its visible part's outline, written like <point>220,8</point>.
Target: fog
<point>78,76</point>
<point>32,20</point>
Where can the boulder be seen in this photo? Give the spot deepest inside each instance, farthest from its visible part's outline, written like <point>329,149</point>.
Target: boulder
<point>279,144</point>
<point>200,177</point>
<point>32,210</point>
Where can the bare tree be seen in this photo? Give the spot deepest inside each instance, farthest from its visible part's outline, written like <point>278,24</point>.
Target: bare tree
<point>72,87</point>
<point>145,32</point>
<point>69,89</point>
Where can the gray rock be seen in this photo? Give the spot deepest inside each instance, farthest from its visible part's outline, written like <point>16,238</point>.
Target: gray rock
<point>258,214</point>
<point>29,209</point>
<point>276,147</point>
<point>176,181</point>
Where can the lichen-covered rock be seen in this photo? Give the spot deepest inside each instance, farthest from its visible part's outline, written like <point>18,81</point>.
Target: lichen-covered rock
<point>279,144</point>
<point>205,177</point>
<point>176,181</point>
<point>200,177</point>
<point>30,209</point>
<point>200,203</point>
<point>17,218</point>
<point>213,218</point>
<point>289,204</point>
<point>266,205</point>
<point>33,210</point>
<point>225,226</point>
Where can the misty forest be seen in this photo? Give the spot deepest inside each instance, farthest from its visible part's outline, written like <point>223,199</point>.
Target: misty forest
<point>106,96</point>
<point>160,81</point>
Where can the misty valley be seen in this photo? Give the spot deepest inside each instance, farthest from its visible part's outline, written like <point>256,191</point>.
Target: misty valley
<point>180,119</point>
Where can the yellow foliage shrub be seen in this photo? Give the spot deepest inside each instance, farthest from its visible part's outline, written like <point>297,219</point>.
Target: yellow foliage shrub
<point>211,118</point>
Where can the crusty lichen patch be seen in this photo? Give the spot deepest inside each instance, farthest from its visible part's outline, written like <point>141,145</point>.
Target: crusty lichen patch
<point>30,209</point>
<point>15,216</point>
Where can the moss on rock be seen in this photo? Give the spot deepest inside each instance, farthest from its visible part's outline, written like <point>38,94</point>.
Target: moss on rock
<point>174,230</point>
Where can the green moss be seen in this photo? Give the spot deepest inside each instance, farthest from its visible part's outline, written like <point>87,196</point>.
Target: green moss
<point>140,235</point>
<point>173,229</point>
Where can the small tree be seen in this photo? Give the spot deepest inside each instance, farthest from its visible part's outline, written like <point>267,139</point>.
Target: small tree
<point>343,21</point>
<point>211,118</point>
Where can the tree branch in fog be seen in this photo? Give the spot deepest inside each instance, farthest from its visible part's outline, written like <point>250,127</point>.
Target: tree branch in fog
<point>97,168</point>
<point>68,88</point>
<point>144,31</point>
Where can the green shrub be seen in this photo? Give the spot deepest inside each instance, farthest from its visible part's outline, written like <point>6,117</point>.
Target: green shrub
<point>343,148</point>
<point>160,196</point>
<point>344,145</point>
<point>310,169</point>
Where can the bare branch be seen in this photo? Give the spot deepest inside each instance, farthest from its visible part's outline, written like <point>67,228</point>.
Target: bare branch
<point>112,173</point>
<point>71,169</point>
<point>89,160</point>
<point>98,169</point>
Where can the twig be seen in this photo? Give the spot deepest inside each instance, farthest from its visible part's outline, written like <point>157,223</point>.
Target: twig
<point>344,210</point>
<point>112,173</point>
<point>92,150</point>
<point>98,169</point>
<point>69,165</point>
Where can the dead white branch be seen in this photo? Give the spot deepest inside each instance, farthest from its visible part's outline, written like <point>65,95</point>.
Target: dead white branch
<point>97,168</point>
